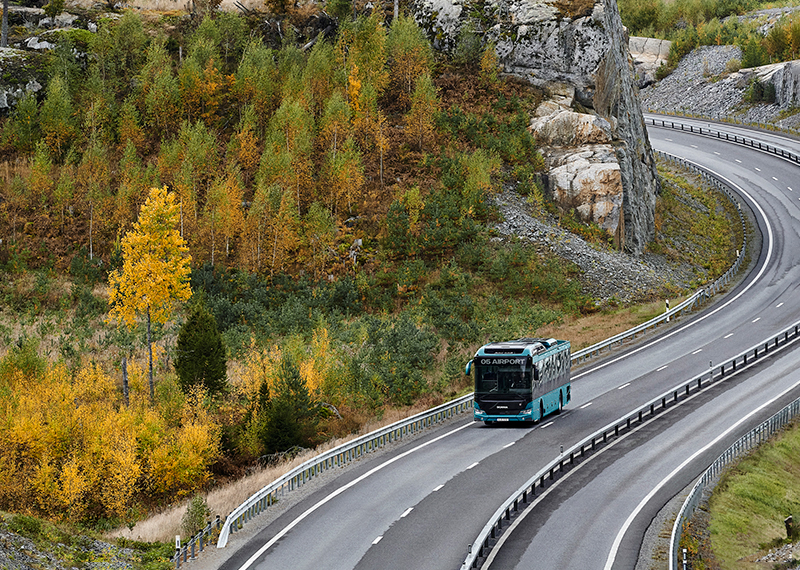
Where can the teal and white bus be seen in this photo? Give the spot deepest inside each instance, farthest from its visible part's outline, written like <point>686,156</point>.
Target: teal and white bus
<point>520,380</point>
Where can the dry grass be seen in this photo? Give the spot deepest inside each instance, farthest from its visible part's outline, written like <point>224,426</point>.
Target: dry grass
<point>163,526</point>
<point>587,330</point>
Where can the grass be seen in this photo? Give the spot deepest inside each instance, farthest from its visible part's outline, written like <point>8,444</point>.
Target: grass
<point>749,505</point>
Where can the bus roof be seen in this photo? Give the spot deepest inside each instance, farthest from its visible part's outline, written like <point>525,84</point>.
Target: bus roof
<point>522,346</point>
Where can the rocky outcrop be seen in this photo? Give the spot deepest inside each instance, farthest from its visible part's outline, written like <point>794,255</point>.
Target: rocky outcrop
<point>581,44</point>
<point>704,84</point>
<point>583,170</point>
<point>588,181</point>
<point>21,74</point>
<point>648,55</point>
<point>785,77</point>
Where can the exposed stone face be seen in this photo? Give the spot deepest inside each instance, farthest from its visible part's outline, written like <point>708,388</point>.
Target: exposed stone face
<point>588,180</point>
<point>786,79</point>
<point>567,128</point>
<point>582,44</point>
<point>648,55</point>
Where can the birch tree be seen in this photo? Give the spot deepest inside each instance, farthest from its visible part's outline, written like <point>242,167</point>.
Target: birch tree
<point>155,269</point>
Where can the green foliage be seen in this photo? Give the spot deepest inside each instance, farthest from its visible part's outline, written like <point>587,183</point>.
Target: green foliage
<point>468,48</point>
<point>398,239</point>
<point>504,133</point>
<point>57,118</point>
<point>395,355</point>
<point>339,9</point>
<point>753,53</point>
<point>118,51</point>
<point>53,8</point>
<point>27,526</point>
<point>751,501</point>
<point>200,353</point>
<point>448,306</point>
<point>23,359</point>
<point>291,415</point>
<point>759,92</point>
<point>63,63</point>
<point>196,516</point>
<point>22,130</point>
<point>272,307</point>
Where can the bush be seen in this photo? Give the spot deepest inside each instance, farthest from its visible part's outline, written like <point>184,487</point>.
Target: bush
<point>759,92</point>
<point>290,417</point>
<point>395,356</point>
<point>468,46</point>
<point>733,65</point>
<point>196,516</point>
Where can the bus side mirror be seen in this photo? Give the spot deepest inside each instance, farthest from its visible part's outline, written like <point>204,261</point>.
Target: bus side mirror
<point>469,368</point>
<point>535,374</point>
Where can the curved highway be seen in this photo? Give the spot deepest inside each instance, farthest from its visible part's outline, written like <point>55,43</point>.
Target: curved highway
<point>420,505</point>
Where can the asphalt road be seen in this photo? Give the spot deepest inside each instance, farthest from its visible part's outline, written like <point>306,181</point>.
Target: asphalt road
<point>420,505</point>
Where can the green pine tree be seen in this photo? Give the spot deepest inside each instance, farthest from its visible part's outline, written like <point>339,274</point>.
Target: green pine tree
<point>291,417</point>
<point>201,357</point>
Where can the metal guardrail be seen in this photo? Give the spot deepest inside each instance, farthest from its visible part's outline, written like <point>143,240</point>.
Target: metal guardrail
<point>374,440</point>
<point>752,143</point>
<point>490,530</point>
<point>751,440</point>
<point>487,539</point>
<point>756,436</point>
<point>701,295</point>
<point>725,119</point>
<point>337,457</point>
<point>197,543</point>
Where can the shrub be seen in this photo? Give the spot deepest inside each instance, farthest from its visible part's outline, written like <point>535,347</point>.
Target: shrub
<point>196,516</point>
<point>759,92</point>
<point>468,46</point>
<point>290,416</point>
<point>733,65</point>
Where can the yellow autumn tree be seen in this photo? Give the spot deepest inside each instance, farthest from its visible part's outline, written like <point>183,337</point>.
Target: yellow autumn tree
<point>223,211</point>
<point>424,104</point>
<point>343,175</point>
<point>155,269</point>
<point>410,54</point>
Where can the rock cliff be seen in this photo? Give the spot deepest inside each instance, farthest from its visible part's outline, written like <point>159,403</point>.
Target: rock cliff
<point>582,45</point>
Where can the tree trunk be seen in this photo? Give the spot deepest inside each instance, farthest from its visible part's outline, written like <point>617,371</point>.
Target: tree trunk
<point>213,242</point>
<point>150,351</point>
<point>125,380</point>
<point>91,220</point>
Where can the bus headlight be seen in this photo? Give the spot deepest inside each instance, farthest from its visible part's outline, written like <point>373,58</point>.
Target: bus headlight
<point>526,412</point>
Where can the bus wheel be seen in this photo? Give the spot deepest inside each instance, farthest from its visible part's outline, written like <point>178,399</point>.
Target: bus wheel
<point>560,402</point>
<point>541,410</point>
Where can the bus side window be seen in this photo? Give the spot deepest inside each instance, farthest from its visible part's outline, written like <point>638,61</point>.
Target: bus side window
<point>535,373</point>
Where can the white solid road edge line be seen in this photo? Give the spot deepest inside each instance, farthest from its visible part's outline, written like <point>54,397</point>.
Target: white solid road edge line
<point>337,492</point>
<point>618,540</point>
<point>761,271</point>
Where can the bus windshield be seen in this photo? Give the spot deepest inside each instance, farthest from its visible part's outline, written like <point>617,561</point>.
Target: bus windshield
<point>502,375</point>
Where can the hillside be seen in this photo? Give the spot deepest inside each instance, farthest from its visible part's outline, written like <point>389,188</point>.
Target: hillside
<point>360,213</point>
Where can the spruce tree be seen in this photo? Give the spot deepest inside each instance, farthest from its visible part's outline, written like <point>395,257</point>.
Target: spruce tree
<point>291,417</point>
<point>201,357</point>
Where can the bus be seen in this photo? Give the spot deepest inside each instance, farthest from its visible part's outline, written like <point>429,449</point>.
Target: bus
<point>520,380</point>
